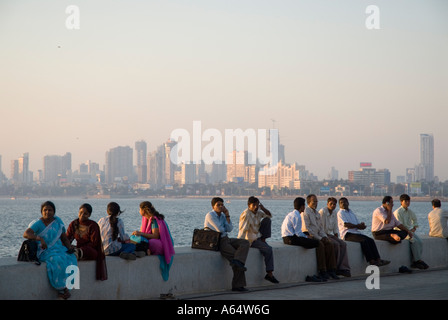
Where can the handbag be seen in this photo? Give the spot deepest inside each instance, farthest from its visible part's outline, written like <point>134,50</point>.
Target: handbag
<point>206,239</point>
<point>28,252</point>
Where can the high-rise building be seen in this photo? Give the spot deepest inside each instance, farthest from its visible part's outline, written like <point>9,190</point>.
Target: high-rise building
<point>426,157</point>
<point>119,165</point>
<point>56,168</point>
<point>142,166</point>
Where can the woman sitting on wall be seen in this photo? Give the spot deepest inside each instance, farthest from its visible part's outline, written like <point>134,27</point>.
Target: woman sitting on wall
<point>49,232</point>
<point>156,233</point>
<point>87,234</point>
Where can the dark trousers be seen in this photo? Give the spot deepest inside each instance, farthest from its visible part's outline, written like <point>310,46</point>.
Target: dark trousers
<point>235,249</point>
<point>385,235</point>
<point>368,245</point>
<point>324,253</point>
<point>260,244</point>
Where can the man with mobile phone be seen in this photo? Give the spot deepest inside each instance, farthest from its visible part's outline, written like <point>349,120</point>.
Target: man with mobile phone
<point>233,249</point>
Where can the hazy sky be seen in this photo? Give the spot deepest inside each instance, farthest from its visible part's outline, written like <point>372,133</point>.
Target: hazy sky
<point>339,93</point>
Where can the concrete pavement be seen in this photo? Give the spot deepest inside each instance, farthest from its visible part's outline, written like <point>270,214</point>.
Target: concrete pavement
<point>430,284</point>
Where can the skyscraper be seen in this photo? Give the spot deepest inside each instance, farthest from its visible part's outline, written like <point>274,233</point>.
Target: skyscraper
<point>426,157</point>
<point>142,167</point>
<point>119,165</point>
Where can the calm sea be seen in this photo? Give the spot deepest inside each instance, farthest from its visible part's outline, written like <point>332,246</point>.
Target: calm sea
<point>182,215</point>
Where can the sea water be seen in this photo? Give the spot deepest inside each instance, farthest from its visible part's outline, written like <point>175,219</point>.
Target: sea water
<point>182,215</point>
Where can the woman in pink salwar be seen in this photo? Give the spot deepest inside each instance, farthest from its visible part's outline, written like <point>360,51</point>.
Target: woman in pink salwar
<point>155,230</point>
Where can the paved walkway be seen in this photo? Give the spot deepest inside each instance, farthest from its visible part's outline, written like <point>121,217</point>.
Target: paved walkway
<point>419,285</point>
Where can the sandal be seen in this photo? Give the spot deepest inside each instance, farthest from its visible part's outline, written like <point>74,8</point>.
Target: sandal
<point>64,294</point>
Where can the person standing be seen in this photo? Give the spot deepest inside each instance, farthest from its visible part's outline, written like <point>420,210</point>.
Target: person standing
<point>408,218</point>
<point>233,249</point>
<point>255,227</point>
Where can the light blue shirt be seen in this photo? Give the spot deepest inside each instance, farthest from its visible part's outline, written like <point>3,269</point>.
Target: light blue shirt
<point>292,225</point>
<point>218,223</point>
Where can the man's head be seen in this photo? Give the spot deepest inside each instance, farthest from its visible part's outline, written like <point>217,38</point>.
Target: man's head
<point>331,203</point>
<point>253,203</point>
<point>312,202</point>
<point>405,200</point>
<point>217,204</point>
<point>299,204</point>
<point>436,203</point>
<point>388,203</point>
<point>343,203</point>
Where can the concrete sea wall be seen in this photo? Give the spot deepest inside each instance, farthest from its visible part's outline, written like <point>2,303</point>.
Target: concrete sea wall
<point>198,271</point>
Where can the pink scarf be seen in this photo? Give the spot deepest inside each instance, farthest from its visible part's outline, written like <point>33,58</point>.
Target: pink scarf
<point>165,236</point>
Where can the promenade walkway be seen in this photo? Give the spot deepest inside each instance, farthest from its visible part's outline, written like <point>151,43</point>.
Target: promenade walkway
<point>419,285</point>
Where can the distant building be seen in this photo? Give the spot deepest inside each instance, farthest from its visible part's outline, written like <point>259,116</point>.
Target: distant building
<point>366,175</point>
<point>56,168</point>
<point>426,167</point>
<point>142,165</point>
<point>119,165</point>
<point>238,169</point>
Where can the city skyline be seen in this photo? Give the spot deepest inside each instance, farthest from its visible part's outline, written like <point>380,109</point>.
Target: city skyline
<point>136,159</point>
<point>339,92</point>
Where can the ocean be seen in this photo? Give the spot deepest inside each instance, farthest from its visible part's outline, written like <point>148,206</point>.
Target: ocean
<point>183,215</point>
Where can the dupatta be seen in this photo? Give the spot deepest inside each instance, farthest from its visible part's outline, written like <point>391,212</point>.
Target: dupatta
<point>166,260</point>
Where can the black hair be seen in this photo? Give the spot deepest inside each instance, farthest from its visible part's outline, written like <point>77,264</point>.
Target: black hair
<point>113,209</point>
<point>215,200</point>
<point>298,203</point>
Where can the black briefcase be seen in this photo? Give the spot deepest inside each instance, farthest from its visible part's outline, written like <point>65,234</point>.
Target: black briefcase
<point>206,239</point>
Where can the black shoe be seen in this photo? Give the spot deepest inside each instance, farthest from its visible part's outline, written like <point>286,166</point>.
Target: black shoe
<point>271,278</point>
<point>314,278</point>
<point>344,273</point>
<point>404,269</point>
<point>238,265</point>
<point>333,275</point>
<point>324,275</point>
<point>240,289</point>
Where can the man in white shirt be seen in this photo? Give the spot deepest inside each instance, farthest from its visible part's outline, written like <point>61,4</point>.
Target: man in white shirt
<point>438,220</point>
<point>255,227</point>
<point>349,227</point>
<point>313,226</point>
<point>329,221</point>
<point>292,235</point>
<point>384,223</point>
<point>409,219</point>
<point>233,249</point>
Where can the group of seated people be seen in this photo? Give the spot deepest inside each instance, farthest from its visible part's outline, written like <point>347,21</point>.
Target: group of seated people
<point>325,230</point>
<point>94,241</point>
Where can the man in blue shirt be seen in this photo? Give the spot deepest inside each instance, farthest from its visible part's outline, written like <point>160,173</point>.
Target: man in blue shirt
<point>233,249</point>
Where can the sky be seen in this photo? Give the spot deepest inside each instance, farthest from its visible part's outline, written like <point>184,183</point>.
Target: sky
<point>338,92</point>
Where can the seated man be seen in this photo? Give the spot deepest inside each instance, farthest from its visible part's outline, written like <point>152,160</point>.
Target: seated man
<point>313,226</point>
<point>255,226</point>
<point>349,227</point>
<point>329,218</point>
<point>384,222</point>
<point>438,220</point>
<point>408,218</point>
<point>234,250</point>
<point>292,234</point>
